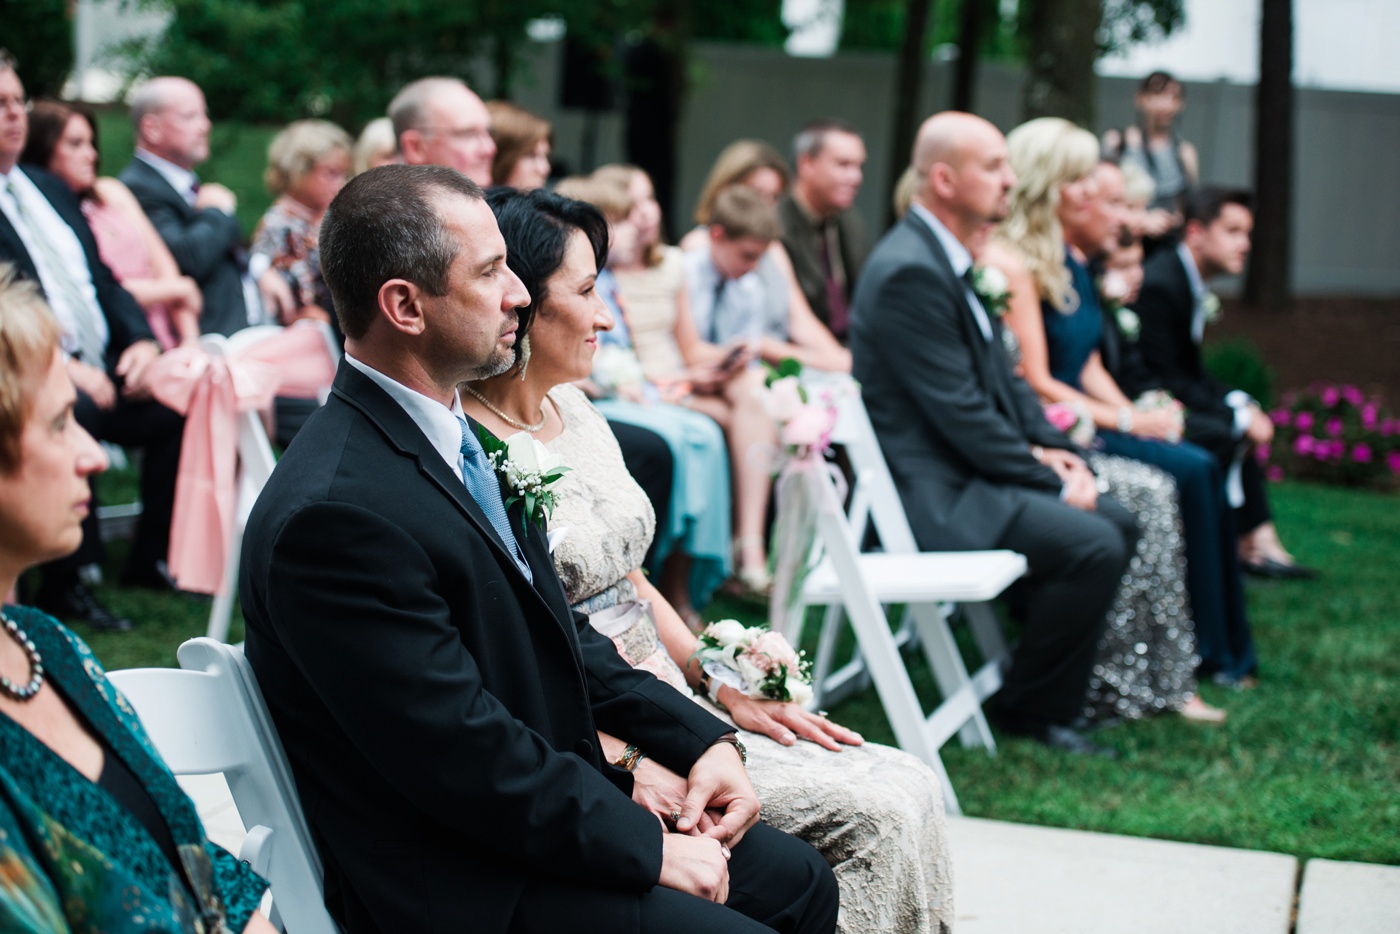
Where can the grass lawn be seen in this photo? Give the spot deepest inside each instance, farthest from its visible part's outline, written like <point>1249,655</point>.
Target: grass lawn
<point>1308,764</point>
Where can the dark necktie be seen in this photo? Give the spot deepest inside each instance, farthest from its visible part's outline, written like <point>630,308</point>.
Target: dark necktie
<point>481,482</point>
<point>838,316</point>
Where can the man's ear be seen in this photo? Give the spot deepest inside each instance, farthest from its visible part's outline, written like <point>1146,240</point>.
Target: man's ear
<point>942,181</point>
<point>411,147</point>
<point>401,305</point>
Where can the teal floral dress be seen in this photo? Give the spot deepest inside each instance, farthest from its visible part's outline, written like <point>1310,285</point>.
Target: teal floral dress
<point>71,857</point>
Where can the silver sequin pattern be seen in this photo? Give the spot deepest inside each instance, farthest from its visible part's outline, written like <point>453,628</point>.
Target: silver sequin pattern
<point>1147,657</point>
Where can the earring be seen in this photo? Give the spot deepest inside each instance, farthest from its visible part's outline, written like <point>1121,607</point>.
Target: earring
<point>524,354</point>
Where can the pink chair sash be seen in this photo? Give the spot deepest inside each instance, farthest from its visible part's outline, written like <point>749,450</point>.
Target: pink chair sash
<point>211,391</point>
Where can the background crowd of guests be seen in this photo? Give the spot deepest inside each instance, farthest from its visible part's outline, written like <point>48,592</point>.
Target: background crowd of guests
<point>1065,414</point>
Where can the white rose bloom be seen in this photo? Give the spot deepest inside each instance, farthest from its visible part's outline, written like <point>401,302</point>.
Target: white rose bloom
<point>753,675</point>
<point>994,281</point>
<point>800,691</point>
<point>546,458</point>
<point>520,451</point>
<point>784,398</point>
<point>727,631</point>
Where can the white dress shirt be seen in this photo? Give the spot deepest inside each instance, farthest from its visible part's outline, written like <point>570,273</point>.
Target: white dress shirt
<point>960,257</point>
<point>441,424</point>
<point>179,177</point>
<point>37,219</point>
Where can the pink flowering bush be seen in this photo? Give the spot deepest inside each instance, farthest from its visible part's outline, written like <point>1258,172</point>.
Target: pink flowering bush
<point>1336,434</point>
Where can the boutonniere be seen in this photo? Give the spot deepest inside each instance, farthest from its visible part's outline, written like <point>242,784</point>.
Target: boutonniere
<point>992,289</point>
<point>1210,304</point>
<point>755,661</point>
<point>1128,323</point>
<point>530,472</point>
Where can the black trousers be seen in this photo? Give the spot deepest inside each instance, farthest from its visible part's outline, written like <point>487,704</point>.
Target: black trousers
<point>776,883</point>
<point>1215,433</point>
<point>651,464</point>
<point>1076,562</point>
<point>157,432</point>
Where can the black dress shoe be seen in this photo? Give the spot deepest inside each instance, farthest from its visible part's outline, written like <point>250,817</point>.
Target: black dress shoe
<point>1054,735</point>
<point>151,577</point>
<point>81,604</point>
<point>1278,570</point>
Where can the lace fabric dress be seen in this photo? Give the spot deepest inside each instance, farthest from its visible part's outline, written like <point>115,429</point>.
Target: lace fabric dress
<point>875,813</point>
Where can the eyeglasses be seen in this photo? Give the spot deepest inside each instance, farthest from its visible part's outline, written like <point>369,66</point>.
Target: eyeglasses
<point>458,134</point>
<point>23,103</point>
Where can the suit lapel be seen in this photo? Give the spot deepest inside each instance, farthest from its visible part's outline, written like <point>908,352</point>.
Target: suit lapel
<point>161,185</point>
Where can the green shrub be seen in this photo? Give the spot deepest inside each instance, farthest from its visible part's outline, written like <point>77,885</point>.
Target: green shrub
<point>1238,363</point>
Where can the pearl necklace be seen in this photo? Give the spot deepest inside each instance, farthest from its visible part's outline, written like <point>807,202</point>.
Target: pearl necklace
<point>506,418</point>
<point>36,664</point>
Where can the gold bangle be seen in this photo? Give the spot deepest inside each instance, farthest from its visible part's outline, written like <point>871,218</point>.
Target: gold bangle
<point>630,757</point>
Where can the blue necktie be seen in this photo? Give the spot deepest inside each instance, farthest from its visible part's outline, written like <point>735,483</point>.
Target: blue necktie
<point>480,478</point>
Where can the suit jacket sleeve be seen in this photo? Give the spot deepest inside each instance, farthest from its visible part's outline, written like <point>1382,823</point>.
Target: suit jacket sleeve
<point>1166,347</point>
<point>199,245</point>
<point>920,317</point>
<point>384,653</point>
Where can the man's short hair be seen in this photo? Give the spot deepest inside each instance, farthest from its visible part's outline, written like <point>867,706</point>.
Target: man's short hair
<point>740,211</point>
<point>1205,204</point>
<point>385,225</point>
<point>812,137</point>
<point>146,99</point>
<point>409,107</point>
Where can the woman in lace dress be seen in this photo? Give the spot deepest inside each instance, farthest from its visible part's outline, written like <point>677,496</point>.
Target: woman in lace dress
<point>874,812</point>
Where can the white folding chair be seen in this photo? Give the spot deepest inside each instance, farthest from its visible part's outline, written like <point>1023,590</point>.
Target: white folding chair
<point>862,584</point>
<point>255,464</point>
<point>210,718</point>
<point>929,584</point>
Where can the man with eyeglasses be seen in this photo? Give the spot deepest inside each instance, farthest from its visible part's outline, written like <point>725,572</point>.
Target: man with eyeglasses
<point>440,121</point>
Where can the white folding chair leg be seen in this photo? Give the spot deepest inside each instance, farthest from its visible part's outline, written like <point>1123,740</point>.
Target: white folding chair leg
<point>962,705</point>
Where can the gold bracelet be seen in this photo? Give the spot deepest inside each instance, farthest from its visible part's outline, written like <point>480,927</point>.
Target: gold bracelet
<point>630,757</point>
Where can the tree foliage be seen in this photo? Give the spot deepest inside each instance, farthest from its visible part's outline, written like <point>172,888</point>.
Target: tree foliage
<point>39,33</point>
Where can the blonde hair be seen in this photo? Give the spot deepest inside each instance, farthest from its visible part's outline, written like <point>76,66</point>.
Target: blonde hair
<point>376,141</point>
<point>517,132</point>
<point>294,152</point>
<point>1138,186</point>
<point>606,194</point>
<point>904,191</point>
<point>29,335</point>
<point>735,163</point>
<point>1045,153</point>
<point>622,173</point>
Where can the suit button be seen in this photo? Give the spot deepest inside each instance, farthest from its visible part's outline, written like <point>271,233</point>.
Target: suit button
<point>584,748</point>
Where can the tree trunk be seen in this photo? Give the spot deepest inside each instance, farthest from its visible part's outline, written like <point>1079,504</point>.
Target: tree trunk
<point>909,83</point>
<point>1062,47</point>
<point>1267,284</point>
<point>969,52</point>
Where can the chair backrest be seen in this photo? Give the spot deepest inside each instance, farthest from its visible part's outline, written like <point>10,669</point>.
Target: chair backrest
<point>874,497</point>
<point>209,718</point>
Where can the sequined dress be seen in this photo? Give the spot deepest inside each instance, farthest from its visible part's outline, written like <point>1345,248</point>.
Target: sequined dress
<point>875,813</point>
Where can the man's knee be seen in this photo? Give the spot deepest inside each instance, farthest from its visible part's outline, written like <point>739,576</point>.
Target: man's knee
<point>783,882</point>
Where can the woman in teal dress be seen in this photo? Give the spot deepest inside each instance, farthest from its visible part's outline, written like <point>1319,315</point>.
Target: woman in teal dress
<point>95,833</point>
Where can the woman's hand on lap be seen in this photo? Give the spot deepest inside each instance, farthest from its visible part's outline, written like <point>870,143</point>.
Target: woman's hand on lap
<point>785,721</point>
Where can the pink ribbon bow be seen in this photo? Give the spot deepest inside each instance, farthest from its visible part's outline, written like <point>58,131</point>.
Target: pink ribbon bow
<point>210,390</point>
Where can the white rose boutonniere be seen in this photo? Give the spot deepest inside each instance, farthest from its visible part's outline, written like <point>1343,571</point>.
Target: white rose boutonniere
<point>1129,323</point>
<point>1210,303</point>
<point>992,289</point>
<point>530,472</point>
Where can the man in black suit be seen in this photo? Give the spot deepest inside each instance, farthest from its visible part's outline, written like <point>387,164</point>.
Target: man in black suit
<point>195,219</point>
<point>976,463</point>
<point>439,702</point>
<point>109,345</point>
<point>1174,308</point>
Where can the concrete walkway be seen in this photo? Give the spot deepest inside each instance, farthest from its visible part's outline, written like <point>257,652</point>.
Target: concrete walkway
<point>1018,879</point>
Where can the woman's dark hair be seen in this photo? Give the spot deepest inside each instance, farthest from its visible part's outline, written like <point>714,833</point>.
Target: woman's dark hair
<point>537,226</point>
<point>1159,81</point>
<point>47,121</point>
